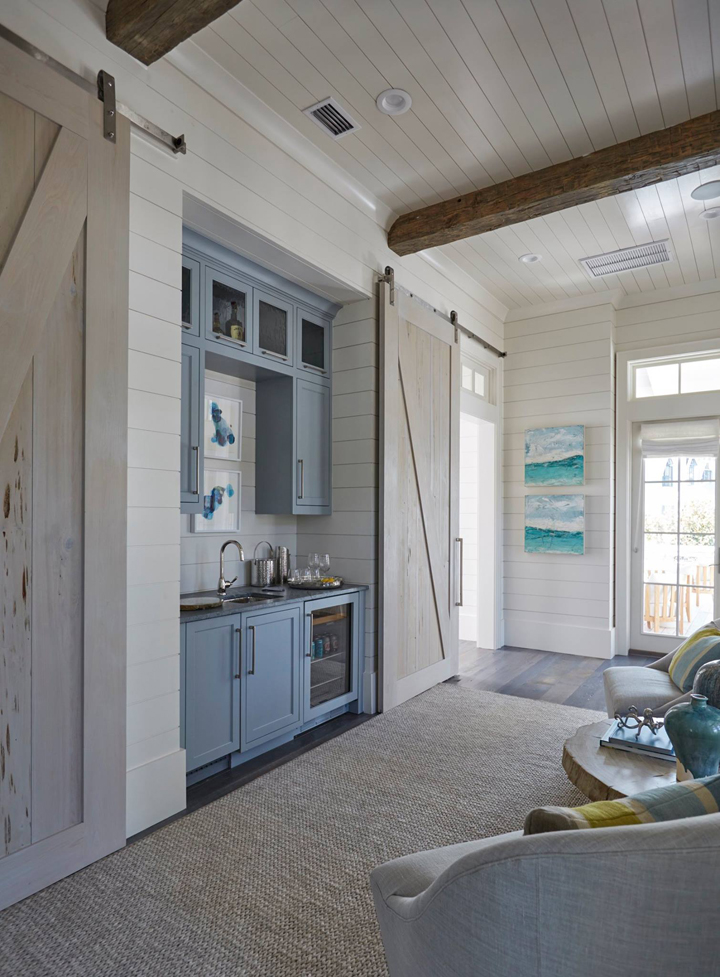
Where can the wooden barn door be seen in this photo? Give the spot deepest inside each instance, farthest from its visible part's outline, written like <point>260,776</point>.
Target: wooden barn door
<point>64,200</point>
<point>420,570</point>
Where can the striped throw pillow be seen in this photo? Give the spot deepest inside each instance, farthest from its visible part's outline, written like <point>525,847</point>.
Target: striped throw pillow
<point>701,647</point>
<point>687,799</point>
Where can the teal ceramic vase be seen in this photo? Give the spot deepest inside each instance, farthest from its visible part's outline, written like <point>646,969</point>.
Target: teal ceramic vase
<point>707,682</point>
<point>694,731</point>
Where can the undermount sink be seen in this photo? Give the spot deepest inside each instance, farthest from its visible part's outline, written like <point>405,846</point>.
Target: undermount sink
<point>245,598</point>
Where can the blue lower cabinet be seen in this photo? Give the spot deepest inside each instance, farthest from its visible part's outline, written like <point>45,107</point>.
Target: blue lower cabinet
<point>332,653</point>
<point>212,689</point>
<point>270,675</point>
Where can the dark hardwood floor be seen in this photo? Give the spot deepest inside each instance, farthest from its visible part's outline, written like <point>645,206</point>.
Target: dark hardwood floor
<point>572,680</point>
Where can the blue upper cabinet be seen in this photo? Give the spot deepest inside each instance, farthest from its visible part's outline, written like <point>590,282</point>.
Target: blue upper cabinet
<point>274,327</point>
<point>191,426</point>
<point>313,406</point>
<point>312,334</point>
<point>228,309</point>
<point>191,296</point>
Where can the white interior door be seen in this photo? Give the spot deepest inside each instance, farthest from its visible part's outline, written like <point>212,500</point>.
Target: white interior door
<point>63,474</point>
<point>421,580</point>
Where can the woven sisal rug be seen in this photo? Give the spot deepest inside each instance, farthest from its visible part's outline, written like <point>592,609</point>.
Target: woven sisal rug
<point>272,880</point>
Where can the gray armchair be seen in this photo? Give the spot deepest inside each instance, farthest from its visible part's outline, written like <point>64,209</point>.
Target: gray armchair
<point>642,686</point>
<point>638,899</point>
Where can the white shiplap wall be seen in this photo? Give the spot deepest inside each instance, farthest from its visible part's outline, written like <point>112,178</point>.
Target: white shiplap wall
<point>200,552</point>
<point>350,534</point>
<point>155,762</point>
<point>560,370</point>
<point>252,165</point>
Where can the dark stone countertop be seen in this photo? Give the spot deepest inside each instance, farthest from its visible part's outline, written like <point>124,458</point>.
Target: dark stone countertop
<point>291,596</point>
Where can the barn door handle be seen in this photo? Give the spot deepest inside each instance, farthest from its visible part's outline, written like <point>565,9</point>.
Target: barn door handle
<point>459,539</point>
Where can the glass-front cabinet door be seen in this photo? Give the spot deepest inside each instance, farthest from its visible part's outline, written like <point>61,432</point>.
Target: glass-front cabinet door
<point>273,327</point>
<point>313,343</point>
<point>228,308</point>
<point>191,296</point>
<point>331,654</point>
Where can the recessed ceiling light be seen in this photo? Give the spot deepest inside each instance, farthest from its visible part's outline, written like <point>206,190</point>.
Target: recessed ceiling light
<point>393,102</point>
<point>711,214</point>
<point>530,259</point>
<point>706,191</point>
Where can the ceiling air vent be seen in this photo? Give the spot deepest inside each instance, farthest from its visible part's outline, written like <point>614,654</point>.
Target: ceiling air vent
<point>628,259</point>
<point>332,117</point>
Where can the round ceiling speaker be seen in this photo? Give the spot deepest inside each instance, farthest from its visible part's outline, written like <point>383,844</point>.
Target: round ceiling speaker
<point>393,102</point>
<point>706,191</point>
<point>530,259</point>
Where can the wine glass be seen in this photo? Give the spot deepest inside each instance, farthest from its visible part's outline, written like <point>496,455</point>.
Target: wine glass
<point>313,564</point>
<point>324,564</point>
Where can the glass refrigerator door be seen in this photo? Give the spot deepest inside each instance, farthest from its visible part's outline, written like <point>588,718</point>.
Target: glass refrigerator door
<point>330,654</point>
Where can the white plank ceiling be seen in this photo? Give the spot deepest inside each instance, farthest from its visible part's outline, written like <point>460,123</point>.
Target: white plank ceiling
<point>499,88</point>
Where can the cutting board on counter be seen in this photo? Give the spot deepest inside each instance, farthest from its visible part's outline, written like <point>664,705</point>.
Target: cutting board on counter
<point>199,603</point>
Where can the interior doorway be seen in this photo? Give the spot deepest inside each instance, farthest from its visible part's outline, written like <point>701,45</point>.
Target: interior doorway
<point>478,510</point>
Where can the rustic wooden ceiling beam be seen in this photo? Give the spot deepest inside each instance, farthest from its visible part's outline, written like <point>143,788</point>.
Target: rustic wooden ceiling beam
<point>639,162</point>
<point>148,29</point>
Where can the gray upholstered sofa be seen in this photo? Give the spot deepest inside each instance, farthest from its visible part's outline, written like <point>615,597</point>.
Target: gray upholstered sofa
<point>638,899</point>
<point>642,686</point>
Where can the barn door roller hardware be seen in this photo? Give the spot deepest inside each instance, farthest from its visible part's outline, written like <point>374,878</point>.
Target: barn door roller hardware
<point>105,91</point>
<point>389,279</point>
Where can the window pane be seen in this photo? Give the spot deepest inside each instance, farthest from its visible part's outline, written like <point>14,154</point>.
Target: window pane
<point>696,552</point>
<point>272,328</point>
<point>697,507</point>
<point>700,375</point>
<point>467,377</point>
<point>661,469</point>
<point>479,384</point>
<point>228,311</point>
<point>697,606</point>
<point>657,381</point>
<point>660,611</point>
<point>661,508</point>
<point>313,344</point>
<point>660,558</point>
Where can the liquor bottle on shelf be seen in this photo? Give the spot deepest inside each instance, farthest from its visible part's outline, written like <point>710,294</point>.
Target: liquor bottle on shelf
<point>233,327</point>
<point>216,326</point>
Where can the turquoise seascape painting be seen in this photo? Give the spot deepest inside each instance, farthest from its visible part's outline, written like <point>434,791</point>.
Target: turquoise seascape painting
<point>555,524</point>
<point>555,455</point>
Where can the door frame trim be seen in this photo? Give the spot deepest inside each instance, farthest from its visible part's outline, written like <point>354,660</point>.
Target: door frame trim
<point>631,412</point>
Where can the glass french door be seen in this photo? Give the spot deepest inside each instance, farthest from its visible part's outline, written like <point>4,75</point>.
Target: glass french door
<point>675,556</point>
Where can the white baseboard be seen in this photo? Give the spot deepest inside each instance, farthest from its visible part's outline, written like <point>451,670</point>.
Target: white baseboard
<point>567,639</point>
<point>155,791</point>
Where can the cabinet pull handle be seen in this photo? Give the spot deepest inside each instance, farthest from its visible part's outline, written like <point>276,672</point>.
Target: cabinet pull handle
<point>308,653</point>
<point>269,352</point>
<point>186,325</point>
<point>238,631</point>
<point>301,493</point>
<point>196,449</point>
<point>251,671</point>
<point>317,369</point>
<point>459,603</point>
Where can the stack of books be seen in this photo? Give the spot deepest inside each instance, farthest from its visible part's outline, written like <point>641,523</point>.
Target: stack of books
<point>656,745</point>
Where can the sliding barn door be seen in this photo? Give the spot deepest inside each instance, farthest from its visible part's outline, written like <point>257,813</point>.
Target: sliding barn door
<point>420,416</point>
<point>63,427</point>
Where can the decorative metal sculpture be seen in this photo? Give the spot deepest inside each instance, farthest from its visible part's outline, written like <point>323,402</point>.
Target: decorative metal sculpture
<point>633,721</point>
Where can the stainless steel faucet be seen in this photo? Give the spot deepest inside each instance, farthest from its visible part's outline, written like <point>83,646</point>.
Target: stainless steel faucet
<point>223,584</point>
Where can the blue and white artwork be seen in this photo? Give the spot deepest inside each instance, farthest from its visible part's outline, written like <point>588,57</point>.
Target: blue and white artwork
<point>223,427</point>
<point>555,524</point>
<point>221,503</point>
<point>555,455</point>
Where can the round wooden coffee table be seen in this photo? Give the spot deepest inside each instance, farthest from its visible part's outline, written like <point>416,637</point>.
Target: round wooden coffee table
<point>604,774</point>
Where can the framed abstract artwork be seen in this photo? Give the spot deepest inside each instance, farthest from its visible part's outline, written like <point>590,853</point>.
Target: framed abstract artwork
<point>555,524</point>
<point>221,503</point>
<point>222,428</point>
<point>555,455</point>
